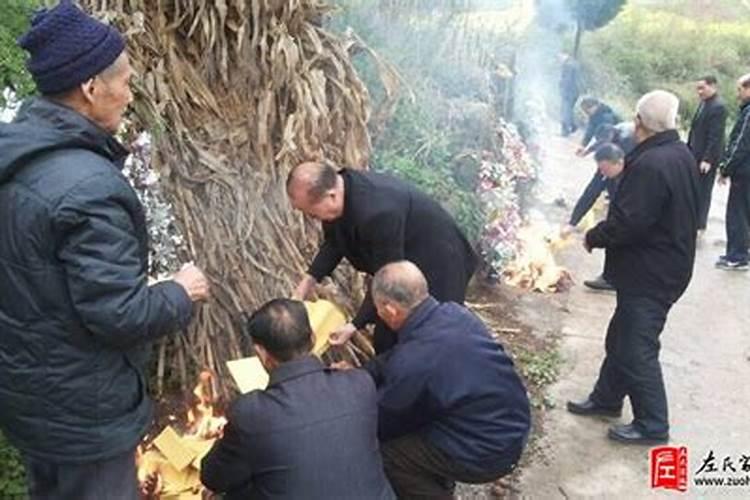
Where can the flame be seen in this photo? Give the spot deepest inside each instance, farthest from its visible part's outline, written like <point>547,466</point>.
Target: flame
<point>202,419</point>
<point>535,267</point>
<point>168,465</point>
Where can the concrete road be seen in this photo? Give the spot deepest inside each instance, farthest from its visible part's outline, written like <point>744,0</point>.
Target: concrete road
<point>705,357</point>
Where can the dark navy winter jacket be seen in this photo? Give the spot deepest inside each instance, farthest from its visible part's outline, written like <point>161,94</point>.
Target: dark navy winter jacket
<point>76,312</point>
<point>448,380</point>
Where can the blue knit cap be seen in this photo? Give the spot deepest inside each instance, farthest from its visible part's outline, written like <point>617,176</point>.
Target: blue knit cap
<point>68,47</point>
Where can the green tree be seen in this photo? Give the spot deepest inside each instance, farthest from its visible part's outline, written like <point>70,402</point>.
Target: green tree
<point>14,20</point>
<point>590,15</point>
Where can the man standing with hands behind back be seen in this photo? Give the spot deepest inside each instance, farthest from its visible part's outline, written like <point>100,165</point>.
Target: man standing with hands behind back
<point>706,141</point>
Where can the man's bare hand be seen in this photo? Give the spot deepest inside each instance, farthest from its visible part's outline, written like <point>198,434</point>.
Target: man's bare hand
<point>705,167</point>
<point>193,281</point>
<point>304,288</point>
<point>342,335</point>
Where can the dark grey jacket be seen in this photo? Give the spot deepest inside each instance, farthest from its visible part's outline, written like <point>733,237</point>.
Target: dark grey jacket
<point>76,314</point>
<point>706,138</point>
<point>736,160</point>
<point>312,434</point>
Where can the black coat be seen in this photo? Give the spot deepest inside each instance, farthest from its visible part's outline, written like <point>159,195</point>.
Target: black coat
<point>386,220</point>
<point>651,227</point>
<point>736,160</point>
<point>311,434</point>
<point>76,314</point>
<point>706,138</point>
<point>450,381</point>
<point>604,115</point>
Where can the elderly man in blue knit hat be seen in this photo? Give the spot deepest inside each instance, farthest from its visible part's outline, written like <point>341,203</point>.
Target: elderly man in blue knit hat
<point>76,311</point>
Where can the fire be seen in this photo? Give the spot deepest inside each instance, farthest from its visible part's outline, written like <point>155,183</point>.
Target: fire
<point>169,466</point>
<point>202,419</point>
<point>535,267</point>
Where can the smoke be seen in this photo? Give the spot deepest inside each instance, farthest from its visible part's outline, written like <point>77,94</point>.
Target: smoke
<point>536,100</point>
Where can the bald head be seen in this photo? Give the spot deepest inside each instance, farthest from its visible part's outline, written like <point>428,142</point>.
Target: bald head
<point>401,283</point>
<point>657,111</point>
<point>312,178</point>
<point>317,189</point>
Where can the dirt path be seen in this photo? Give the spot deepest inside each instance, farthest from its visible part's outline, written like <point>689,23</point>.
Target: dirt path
<point>705,357</point>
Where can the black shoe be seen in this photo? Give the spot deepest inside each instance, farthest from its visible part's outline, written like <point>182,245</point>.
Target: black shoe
<point>599,283</point>
<point>630,434</point>
<point>731,265</point>
<point>588,407</point>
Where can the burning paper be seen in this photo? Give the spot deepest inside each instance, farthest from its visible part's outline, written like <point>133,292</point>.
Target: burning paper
<point>170,464</point>
<point>535,267</point>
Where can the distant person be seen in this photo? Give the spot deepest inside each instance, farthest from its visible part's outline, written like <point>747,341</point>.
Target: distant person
<point>599,114</point>
<point>735,167</point>
<point>372,219</point>
<point>311,434</point>
<point>706,141</point>
<point>451,405</point>
<point>570,89</point>
<point>610,160</point>
<point>77,314</point>
<point>649,237</point>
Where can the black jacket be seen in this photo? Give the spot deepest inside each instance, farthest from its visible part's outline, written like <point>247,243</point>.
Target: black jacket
<point>650,231</point>
<point>311,434</point>
<point>386,220</point>
<point>706,138</point>
<point>448,380</point>
<point>76,314</point>
<point>602,116</point>
<point>736,160</point>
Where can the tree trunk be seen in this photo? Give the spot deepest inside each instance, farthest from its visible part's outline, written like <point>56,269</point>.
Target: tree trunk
<point>236,93</point>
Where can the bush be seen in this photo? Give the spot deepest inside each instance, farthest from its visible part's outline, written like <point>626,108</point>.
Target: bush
<point>644,49</point>
<point>12,472</point>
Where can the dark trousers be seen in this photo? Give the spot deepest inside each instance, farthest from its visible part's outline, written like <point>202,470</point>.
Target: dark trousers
<point>738,220</point>
<point>111,479</point>
<point>567,114</point>
<point>704,197</point>
<point>418,470</point>
<point>447,285</point>
<point>631,366</point>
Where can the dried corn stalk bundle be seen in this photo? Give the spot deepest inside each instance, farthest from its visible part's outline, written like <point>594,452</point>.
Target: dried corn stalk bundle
<point>235,92</point>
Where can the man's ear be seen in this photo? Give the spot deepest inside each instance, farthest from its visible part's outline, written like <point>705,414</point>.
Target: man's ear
<point>88,89</point>
<point>264,356</point>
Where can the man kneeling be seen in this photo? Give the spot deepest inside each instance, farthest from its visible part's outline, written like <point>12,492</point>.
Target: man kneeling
<point>311,434</point>
<point>451,406</point>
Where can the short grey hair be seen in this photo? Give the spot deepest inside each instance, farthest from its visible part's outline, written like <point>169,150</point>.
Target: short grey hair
<point>401,282</point>
<point>744,80</point>
<point>657,111</point>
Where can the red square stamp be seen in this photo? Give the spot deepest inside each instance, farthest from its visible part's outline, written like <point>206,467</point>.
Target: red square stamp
<point>669,468</point>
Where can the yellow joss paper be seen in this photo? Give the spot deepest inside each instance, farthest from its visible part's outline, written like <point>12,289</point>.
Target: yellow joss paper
<point>325,318</point>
